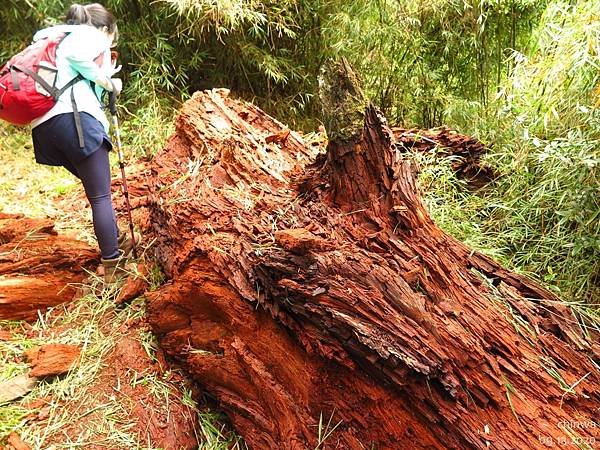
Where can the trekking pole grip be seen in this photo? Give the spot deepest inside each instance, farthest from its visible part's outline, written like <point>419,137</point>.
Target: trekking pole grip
<point>112,103</point>
<point>112,100</point>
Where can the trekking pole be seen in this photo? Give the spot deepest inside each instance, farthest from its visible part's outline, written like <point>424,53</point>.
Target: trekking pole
<point>112,104</point>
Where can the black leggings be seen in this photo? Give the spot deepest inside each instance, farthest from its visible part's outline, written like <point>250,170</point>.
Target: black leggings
<point>94,173</point>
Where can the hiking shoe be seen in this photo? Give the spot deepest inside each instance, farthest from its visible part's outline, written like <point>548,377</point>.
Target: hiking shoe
<point>114,268</point>
<point>126,243</point>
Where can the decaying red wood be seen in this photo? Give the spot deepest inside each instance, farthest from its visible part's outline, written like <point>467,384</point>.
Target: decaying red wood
<point>311,289</point>
<point>38,268</point>
<point>466,151</point>
<point>51,359</point>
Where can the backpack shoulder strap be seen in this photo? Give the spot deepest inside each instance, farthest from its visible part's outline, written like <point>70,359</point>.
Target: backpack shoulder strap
<point>50,89</point>
<point>71,83</point>
<point>77,117</point>
<point>15,80</point>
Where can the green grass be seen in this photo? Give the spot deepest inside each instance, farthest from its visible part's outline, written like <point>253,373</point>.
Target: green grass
<point>26,187</point>
<point>485,222</point>
<point>214,434</point>
<point>145,132</point>
<point>542,215</point>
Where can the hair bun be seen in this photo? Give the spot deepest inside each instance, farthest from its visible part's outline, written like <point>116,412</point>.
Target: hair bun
<point>77,15</point>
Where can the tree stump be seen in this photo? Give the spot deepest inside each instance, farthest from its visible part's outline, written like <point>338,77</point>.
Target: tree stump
<point>313,296</point>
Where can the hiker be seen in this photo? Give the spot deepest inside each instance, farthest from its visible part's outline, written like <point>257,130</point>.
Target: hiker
<point>74,133</point>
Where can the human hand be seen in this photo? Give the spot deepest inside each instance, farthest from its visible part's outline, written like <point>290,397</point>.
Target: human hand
<point>110,84</point>
<point>117,85</point>
<point>114,68</point>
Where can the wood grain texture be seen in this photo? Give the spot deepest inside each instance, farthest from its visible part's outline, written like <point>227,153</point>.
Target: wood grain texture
<point>38,267</point>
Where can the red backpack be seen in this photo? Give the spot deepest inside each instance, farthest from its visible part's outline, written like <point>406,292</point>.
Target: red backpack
<point>28,82</point>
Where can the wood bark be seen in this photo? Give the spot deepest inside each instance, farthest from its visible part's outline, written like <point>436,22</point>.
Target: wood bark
<point>38,268</point>
<point>313,296</point>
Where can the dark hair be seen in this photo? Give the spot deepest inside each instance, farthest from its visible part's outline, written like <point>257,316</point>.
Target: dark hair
<point>93,14</point>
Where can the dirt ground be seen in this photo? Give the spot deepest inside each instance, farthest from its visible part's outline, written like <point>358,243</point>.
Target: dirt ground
<point>123,395</point>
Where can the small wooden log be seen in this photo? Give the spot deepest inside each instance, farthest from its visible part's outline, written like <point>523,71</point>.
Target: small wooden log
<point>38,268</point>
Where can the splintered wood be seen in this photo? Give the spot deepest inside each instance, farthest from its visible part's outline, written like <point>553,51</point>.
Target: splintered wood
<point>38,268</point>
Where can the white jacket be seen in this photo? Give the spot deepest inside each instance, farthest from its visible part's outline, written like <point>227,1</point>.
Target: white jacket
<point>75,55</point>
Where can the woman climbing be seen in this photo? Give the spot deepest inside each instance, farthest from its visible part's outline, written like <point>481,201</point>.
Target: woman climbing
<point>74,133</point>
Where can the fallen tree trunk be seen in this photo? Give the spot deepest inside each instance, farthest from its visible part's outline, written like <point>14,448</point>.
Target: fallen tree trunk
<point>38,268</point>
<point>316,300</point>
